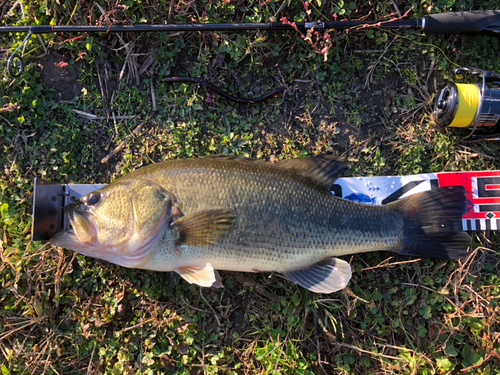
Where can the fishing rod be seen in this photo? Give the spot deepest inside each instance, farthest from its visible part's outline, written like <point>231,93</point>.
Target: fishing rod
<point>465,23</point>
<point>461,23</point>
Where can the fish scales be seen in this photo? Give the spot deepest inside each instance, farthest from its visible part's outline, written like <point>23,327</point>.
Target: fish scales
<point>280,215</point>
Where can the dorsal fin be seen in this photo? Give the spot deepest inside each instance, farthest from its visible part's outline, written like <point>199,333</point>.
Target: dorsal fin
<point>322,169</point>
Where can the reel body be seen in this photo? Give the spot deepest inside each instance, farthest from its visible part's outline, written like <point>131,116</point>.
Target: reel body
<point>472,105</point>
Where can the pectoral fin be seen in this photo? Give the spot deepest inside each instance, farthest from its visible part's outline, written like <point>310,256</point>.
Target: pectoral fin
<point>202,276</point>
<point>328,276</point>
<point>204,227</point>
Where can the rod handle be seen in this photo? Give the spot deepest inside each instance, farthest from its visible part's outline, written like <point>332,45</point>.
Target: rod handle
<point>464,23</point>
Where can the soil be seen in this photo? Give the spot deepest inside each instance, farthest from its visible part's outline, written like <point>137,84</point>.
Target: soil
<point>60,75</point>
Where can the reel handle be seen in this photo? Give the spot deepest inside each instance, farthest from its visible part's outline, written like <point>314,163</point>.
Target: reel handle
<point>488,75</point>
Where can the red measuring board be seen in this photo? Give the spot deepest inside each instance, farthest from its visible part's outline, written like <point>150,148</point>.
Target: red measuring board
<point>482,192</point>
<point>483,197</point>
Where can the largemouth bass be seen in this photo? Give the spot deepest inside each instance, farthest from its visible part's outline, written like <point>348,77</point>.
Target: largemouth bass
<point>196,216</point>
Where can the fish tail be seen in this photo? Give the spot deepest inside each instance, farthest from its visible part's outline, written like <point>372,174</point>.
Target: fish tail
<point>432,224</point>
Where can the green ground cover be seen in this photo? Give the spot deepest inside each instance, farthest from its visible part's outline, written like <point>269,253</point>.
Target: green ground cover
<point>91,107</point>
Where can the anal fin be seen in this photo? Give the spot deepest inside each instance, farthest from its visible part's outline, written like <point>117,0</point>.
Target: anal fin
<point>327,276</point>
<point>202,276</point>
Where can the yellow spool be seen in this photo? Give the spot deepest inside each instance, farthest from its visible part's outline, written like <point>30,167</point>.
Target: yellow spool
<point>468,102</point>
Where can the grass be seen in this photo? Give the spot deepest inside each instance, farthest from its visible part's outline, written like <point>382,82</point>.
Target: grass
<point>369,101</point>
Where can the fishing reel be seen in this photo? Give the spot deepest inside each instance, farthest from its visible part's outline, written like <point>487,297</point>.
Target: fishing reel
<point>472,105</point>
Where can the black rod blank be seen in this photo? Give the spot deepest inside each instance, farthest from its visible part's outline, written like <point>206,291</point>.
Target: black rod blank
<point>45,29</point>
<point>466,23</point>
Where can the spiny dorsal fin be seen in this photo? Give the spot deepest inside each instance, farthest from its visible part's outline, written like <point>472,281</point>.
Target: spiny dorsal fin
<point>203,227</point>
<point>201,275</point>
<point>323,169</point>
<point>327,276</point>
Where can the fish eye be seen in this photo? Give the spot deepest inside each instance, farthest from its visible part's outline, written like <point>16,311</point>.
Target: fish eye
<point>93,199</point>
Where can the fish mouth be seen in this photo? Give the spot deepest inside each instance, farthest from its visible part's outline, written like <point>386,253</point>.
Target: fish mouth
<point>82,226</point>
<point>79,236</point>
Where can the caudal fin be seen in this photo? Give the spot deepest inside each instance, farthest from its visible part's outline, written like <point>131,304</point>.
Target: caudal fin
<point>432,224</point>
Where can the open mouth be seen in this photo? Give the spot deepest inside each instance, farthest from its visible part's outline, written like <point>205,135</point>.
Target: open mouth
<point>79,237</point>
<point>81,226</point>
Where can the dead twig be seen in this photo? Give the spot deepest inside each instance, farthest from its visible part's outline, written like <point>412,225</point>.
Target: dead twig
<point>91,116</point>
<point>136,132</point>
<point>368,352</point>
<point>493,354</point>
<point>9,107</point>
